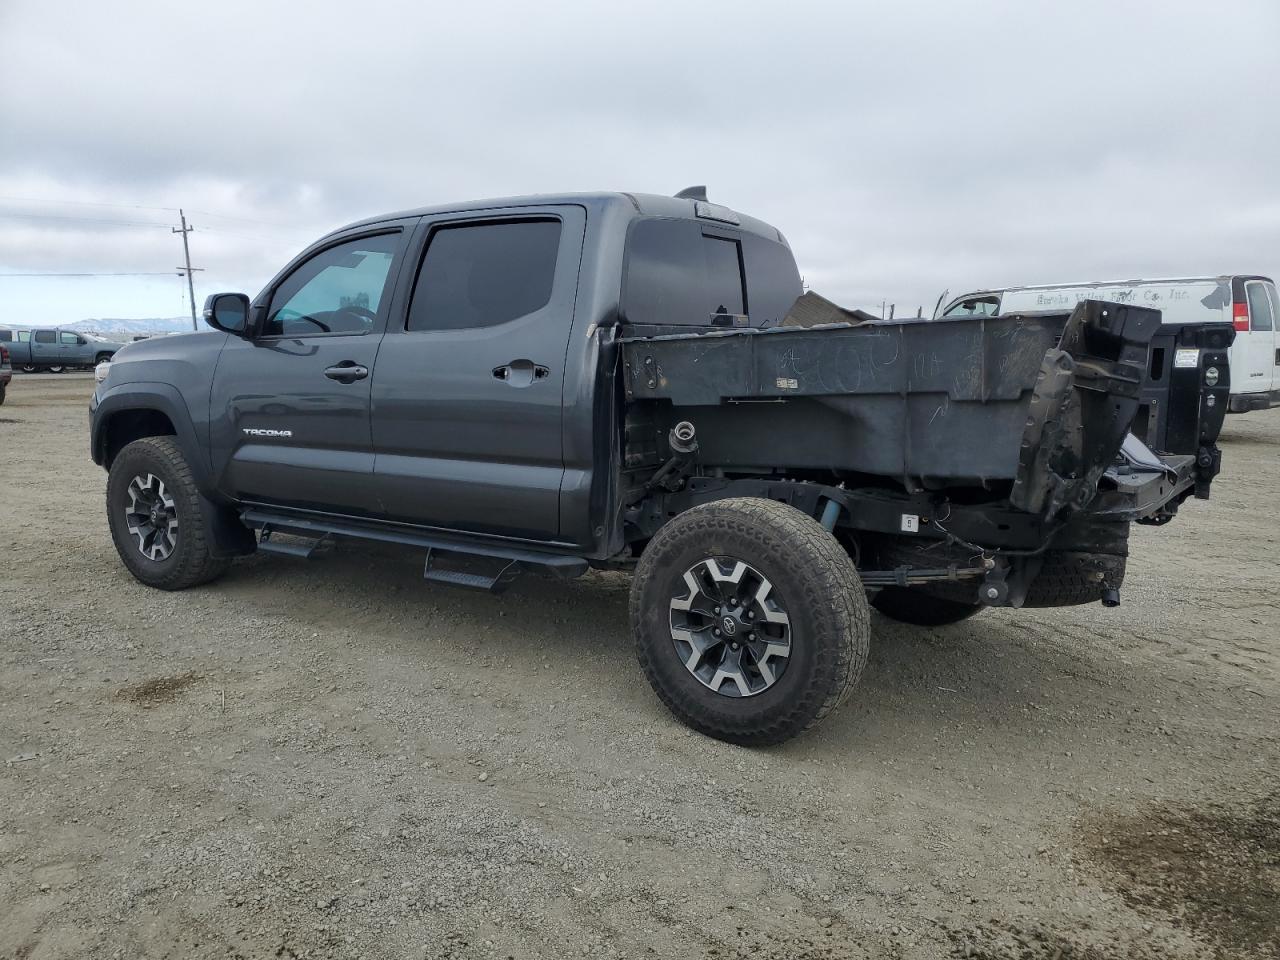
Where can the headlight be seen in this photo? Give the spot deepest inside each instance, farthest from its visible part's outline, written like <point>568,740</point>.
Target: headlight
<point>100,371</point>
<point>1211,377</point>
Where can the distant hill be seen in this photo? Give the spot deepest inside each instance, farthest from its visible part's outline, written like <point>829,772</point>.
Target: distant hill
<point>122,327</point>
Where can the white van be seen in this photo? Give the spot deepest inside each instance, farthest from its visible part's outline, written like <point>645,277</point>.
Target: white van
<point>1247,301</point>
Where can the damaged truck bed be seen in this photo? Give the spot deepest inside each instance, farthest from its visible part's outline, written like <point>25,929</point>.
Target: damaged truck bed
<point>987,460</point>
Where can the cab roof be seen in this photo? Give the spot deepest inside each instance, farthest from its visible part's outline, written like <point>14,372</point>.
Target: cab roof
<point>639,204</point>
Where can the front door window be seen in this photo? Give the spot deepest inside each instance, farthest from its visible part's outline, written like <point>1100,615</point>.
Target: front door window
<point>339,290</point>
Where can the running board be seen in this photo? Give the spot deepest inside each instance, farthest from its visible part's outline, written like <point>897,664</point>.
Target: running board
<point>303,550</point>
<point>496,582</point>
<point>511,560</point>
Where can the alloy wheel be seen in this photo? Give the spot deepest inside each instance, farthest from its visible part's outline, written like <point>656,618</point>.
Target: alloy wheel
<point>152,517</point>
<point>729,629</point>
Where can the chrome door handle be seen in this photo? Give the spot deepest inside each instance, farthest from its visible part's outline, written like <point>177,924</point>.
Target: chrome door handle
<point>348,371</point>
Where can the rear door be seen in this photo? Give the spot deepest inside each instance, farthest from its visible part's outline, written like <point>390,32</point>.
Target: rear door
<point>44,347</point>
<point>289,406</point>
<point>1275,335</point>
<point>467,391</point>
<point>1253,353</point>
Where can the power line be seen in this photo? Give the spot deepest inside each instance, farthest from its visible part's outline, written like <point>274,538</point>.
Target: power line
<point>118,223</point>
<point>142,206</point>
<point>89,203</point>
<point>167,273</point>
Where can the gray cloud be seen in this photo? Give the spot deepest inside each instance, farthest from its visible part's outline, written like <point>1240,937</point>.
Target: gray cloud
<point>902,148</point>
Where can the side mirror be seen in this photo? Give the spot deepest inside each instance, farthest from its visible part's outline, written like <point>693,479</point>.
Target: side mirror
<point>228,312</point>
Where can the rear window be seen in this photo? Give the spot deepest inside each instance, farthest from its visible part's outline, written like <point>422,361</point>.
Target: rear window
<point>682,273</point>
<point>1260,317</point>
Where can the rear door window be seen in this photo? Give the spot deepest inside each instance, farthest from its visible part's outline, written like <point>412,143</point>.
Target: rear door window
<point>1260,316</point>
<point>45,336</point>
<point>485,274</point>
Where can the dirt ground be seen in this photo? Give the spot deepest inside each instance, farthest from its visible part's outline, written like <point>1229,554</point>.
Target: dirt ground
<point>333,758</point>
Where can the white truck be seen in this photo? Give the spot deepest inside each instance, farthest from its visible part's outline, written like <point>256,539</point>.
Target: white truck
<point>1247,301</point>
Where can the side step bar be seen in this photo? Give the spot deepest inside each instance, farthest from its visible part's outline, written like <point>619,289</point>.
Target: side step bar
<point>510,560</point>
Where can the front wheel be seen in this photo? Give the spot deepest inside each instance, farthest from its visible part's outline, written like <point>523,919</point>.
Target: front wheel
<point>100,358</point>
<point>156,515</point>
<point>922,609</point>
<point>749,620</point>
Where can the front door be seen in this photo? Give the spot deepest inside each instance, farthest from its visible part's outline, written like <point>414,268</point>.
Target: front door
<point>290,404</point>
<point>467,392</point>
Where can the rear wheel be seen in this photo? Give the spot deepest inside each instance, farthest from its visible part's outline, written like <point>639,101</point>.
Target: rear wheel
<point>28,368</point>
<point>3,388</point>
<point>921,609</point>
<point>156,516</point>
<point>56,368</point>
<point>749,620</point>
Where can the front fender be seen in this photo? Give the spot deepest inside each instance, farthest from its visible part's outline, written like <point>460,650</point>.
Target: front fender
<point>226,535</point>
<point>148,395</point>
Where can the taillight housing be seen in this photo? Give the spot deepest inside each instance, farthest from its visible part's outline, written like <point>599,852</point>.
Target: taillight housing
<point>4,354</point>
<point>1240,315</point>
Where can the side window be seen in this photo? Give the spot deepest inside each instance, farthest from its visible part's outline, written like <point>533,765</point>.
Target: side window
<point>975,307</point>
<point>338,290</point>
<point>1259,307</point>
<point>24,336</point>
<point>45,336</point>
<point>71,338</point>
<point>677,274</point>
<point>6,336</point>
<point>484,274</point>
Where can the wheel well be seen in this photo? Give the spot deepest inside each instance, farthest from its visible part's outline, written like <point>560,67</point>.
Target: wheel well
<point>130,425</point>
<point>103,355</point>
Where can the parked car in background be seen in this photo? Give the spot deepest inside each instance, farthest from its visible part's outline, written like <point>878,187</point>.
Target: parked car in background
<point>6,371</point>
<point>56,349</point>
<point>1247,301</point>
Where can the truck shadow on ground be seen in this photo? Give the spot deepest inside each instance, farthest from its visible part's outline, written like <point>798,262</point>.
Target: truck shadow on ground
<point>993,672</point>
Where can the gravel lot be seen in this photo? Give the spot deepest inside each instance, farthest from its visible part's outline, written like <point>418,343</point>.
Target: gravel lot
<point>336,759</point>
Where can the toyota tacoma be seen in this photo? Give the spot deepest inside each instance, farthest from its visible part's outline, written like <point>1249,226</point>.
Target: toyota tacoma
<point>558,383</point>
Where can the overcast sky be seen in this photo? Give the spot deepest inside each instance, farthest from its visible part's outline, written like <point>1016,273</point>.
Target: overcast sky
<point>901,147</point>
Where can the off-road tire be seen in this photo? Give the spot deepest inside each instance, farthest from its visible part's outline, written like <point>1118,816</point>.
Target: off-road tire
<point>813,578</point>
<point>191,562</point>
<point>1070,579</point>
<point>922,609</point>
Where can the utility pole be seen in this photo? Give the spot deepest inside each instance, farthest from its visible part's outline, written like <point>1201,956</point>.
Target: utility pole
<point>186,252</point>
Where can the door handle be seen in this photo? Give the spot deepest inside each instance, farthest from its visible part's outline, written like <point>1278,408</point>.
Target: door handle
<point>348,371</point>
<point>520,373</point>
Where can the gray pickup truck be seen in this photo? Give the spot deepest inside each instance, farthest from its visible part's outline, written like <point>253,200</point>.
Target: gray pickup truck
<point>55,349</point>
<point>625,381</point>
